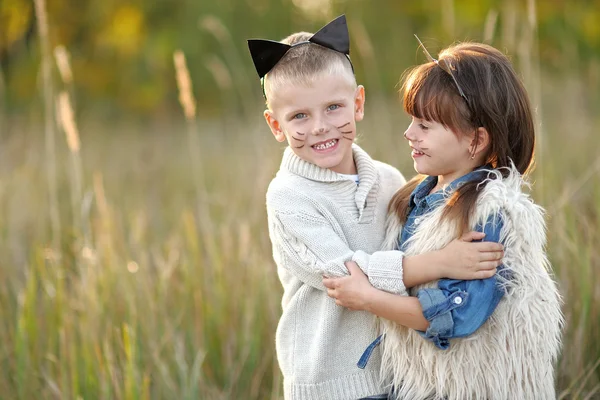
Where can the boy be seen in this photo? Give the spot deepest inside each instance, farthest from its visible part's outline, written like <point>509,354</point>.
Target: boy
<point>328,205</point>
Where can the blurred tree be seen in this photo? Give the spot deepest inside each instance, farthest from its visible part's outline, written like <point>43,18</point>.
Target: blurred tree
<point>121,51</point>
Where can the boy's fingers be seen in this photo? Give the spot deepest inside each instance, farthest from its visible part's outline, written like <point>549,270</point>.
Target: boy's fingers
<point>352,268</point>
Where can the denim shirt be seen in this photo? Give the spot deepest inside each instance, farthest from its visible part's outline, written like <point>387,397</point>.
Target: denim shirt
<point>455,308</point>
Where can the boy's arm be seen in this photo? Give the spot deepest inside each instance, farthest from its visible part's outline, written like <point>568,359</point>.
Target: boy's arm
<point>309,247</point>
<point>356,293</point>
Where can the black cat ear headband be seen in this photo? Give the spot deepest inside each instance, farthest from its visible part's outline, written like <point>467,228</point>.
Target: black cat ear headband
<point>267,53</point>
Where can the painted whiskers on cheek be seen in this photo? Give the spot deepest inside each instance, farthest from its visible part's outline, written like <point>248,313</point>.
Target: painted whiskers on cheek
<point>346,135</point>
<point>303,138</point>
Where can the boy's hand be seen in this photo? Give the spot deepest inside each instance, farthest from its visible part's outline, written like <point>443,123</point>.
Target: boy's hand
<point>464,260</point>
<point>350,291</point>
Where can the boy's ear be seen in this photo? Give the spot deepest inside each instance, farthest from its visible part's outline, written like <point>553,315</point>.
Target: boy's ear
<point>359,103</point>
<point>480,142</point>
<point>274,125</point>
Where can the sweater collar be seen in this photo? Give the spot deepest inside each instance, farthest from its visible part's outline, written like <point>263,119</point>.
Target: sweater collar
<point>367,172</point>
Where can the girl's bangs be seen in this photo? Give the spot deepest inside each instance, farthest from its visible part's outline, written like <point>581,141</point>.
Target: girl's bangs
<point>430,95</point>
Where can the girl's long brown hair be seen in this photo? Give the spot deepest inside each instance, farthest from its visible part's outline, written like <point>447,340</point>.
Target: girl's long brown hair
<point>498,102</point>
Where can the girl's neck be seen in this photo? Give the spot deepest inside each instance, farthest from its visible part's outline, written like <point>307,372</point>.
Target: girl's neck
<point>445,180</point>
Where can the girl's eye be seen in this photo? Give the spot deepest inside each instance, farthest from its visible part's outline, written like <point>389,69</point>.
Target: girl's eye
<point>333,107</point>
<point>423,127</point>
<point>299,116</point>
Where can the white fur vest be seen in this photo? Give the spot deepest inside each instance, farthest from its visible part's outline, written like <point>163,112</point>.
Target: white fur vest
<point>512,355</point>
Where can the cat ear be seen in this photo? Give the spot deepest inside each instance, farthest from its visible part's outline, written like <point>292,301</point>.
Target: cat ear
<point>266,54</point>
<point>334,36</point>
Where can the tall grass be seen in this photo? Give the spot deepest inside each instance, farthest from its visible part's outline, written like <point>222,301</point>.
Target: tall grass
<point>152,277</point>
<point>157,305</point>
<point>163,303</point>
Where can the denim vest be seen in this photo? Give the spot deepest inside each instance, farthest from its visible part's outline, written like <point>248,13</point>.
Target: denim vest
<point>455,308</point>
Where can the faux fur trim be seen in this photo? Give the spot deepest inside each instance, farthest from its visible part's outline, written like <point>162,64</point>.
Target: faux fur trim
<point>512,355</point>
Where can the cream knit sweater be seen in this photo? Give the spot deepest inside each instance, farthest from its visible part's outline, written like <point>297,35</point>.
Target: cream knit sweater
<point>318,220</point>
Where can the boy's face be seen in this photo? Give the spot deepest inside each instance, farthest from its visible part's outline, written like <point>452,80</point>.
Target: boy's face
<point>319,121</point>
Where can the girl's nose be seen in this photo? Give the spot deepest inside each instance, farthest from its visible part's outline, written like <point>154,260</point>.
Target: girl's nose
<point>410,134</point>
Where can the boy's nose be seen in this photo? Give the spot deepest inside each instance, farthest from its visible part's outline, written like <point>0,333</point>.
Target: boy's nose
<point>320,129</point>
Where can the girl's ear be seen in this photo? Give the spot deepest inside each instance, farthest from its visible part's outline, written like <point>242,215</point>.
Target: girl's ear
<point>359,103</point>
<point>480,143</point>
<point>274,125</point>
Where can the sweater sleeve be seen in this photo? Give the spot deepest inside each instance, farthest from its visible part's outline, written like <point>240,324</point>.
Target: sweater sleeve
<point>309,247</point>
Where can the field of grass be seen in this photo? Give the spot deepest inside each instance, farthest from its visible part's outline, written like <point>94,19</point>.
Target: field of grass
<point>161,284</point>
<point>135,261</point>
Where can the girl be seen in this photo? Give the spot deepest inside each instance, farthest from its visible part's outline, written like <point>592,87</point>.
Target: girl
<point>472,139</point>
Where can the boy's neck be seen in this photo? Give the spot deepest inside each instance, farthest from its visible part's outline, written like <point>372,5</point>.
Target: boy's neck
<point>347,166</point>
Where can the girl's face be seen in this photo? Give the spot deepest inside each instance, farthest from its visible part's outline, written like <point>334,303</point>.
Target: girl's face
<point>438,151</point>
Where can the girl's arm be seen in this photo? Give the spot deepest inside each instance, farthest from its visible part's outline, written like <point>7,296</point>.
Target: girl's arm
<point>456,308</point>
<point>461,259</point>
<point>310,246</point>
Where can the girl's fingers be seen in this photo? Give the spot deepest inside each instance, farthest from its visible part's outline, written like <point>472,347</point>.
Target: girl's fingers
<point>484,247</point>
<point>491,256</point>
<point>473,235</point>
<point>485,274</point>
<point>488,266</point>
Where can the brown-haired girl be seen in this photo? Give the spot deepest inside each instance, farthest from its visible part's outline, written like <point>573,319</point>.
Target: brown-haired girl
<point>472,140</point>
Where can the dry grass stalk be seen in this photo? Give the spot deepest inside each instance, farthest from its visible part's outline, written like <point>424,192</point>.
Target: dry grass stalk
<point>61,56</point>
<point>101,196</point>
<point>188,103</point>
<point>67,121</point>
<point>42,24</point>
<point>219,72</point>
<point>490,26</point>
<point>184,83</point>
<point>231,56</point>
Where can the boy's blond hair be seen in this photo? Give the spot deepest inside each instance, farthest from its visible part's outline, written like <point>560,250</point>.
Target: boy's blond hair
<point>303,63</point>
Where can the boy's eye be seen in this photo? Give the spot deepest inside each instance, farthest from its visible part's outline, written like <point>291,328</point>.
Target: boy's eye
<point>423,127</point>
<point>299,116</point>
<point>333,107</point>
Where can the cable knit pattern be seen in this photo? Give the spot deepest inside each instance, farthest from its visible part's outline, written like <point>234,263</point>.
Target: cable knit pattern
<point>318,220</point>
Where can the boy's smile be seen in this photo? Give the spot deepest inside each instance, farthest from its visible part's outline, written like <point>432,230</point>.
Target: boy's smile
<point>318,120</point>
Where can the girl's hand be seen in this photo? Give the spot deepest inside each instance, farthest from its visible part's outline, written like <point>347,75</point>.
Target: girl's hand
<point>350,291</point>
<point>466,261</point>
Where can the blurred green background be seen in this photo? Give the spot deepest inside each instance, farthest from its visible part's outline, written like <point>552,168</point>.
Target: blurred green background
<point>135,261</point>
